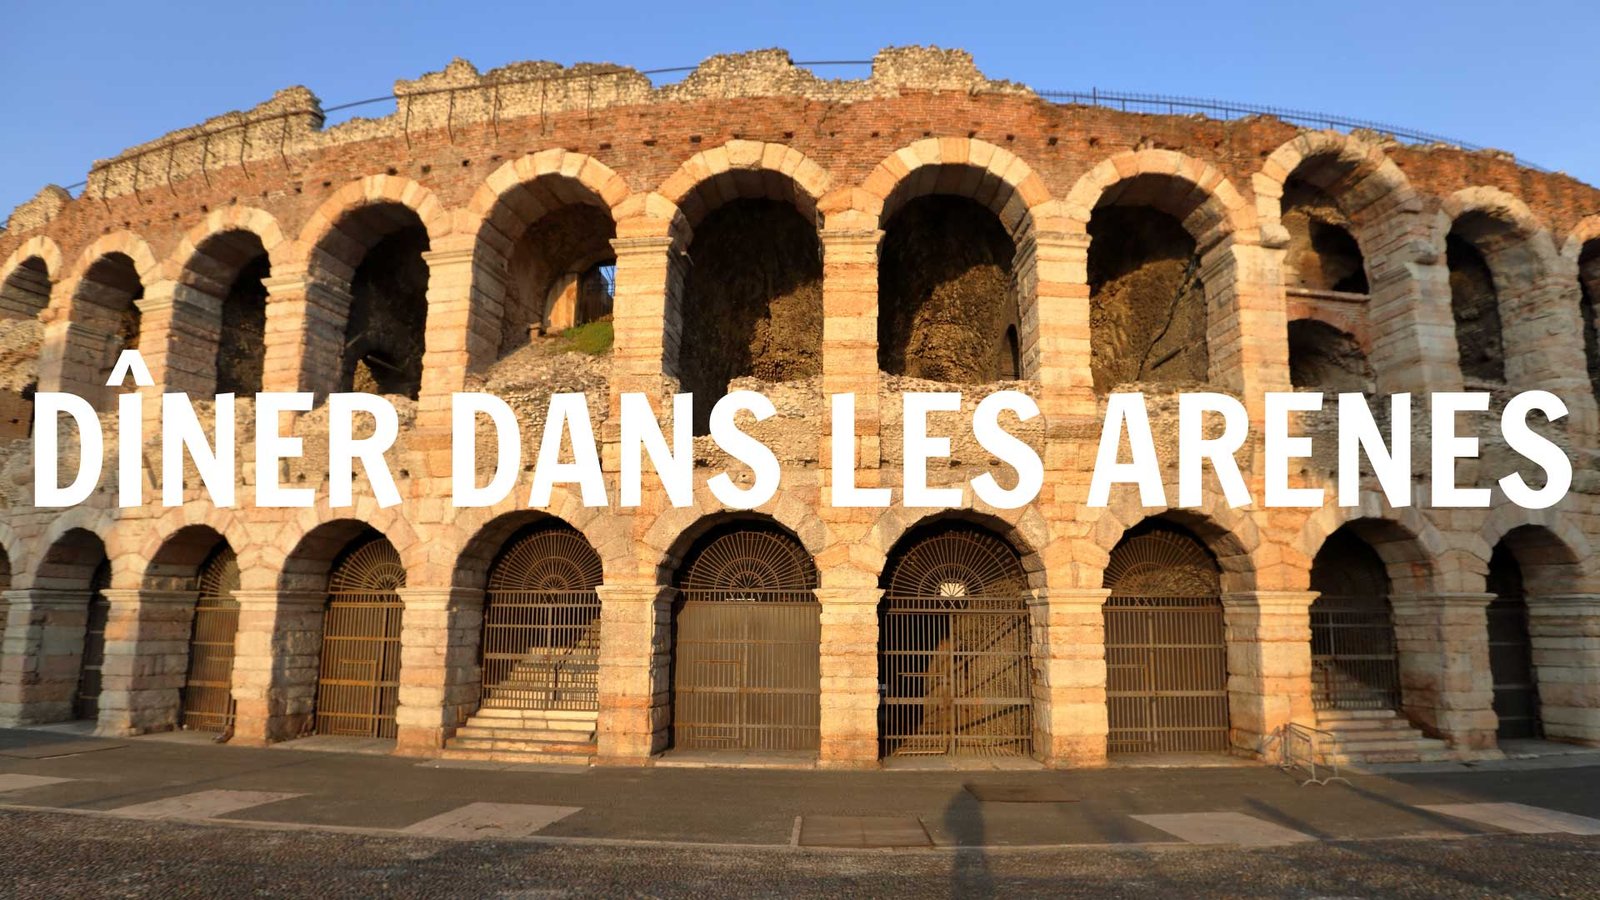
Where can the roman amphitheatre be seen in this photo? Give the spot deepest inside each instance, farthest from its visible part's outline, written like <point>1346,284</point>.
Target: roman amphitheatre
<point>539,229</point>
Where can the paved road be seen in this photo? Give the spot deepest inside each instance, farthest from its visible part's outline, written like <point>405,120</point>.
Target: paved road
<point>162,817</point>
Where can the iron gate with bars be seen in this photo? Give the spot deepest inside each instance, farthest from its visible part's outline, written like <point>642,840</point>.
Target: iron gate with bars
<point>747,636</point>
<point>954,667</point>
<point>541,624</point>
<point>86,699</point>
<point>358,683</point>
<point>1354,661</point>
<point>1166,647</point>
<point>1516,687</point>
<point>208,688</point>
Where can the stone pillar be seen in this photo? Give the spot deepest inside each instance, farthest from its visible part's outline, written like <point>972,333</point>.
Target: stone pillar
<point>178,332</point>
<point>304,338</point>
<point>635,660</point>
<point>849,666</point>
<point>76,359</point>
<point>1565,630</point>
<point>1446,686</point>
<point>1071,663</point>
<point>1061,271</point>
<point>451,337</point>
<point>146,662</point>
<point>276,652</point>
<point>850,342</point>
<point>646,326</point>
<point>439,633</point>
<point>1413,330</point>
<point>43,654</point>
<point>1249,340</point>
<point>1269,663</point>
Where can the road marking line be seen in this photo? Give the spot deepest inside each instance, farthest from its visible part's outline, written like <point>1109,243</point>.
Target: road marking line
<point>1519,818</point>
<point>1225,828</point>
<point>15,782</point>
<point>492,820</point>
<point>201,804</point>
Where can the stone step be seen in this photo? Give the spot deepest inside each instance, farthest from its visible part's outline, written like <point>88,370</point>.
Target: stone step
<point>550,759</point>
<point>1365,725</point>
<point>553,715</point>
<point>1384,745</point>
<point>548,735</point>
<point>1336,715</point>
<point>541,749</point>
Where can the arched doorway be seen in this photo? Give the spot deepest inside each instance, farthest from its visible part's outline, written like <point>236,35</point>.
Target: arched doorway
<point>953,651</point>
<point>1516,687</point>
<point>1354,662</point>
<point>1166,645</point>
<point>208,688</point>
<point>358,681</point>
<point>86,699</point>
<point>541,623</point>
<point>747,632</point>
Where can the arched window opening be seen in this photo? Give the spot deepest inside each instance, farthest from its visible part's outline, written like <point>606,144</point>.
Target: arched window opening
<point>1475,304</point>
<point>1166,644</point>
<point>1516,686</point>
<point>106,313</point>
<point>1322,255</point>
<point>1589,309</point>
<point>1354,661</point>
<point>358,682</point>
<point>541,623</point>
<point>747,630</point>
<point>1323,358</point>
<point>947,301</point>
<point>240,347</point>
<point>752,301</point>
<point>388,315</point>
<point>954,659</point>
<point>26,291</point>
<point>1147,305</point>
<point>207,699</point>
<point>561,276</point>
<point>25,294</point>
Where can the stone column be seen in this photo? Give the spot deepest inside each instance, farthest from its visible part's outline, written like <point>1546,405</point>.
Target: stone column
<point>146,662</point>
<point>849,666</point>
<point>304,338</point>
<point>1446,686</point>
<point>178,332</point>
<point>43,654</point>
<point>276,652</point>
<point>1061,271</point>
<point>76,359</point>
<point>439,633</point>
<point>1071,662</point>
<point>1269,663</point>
<point>1248,341</point>
<point>451,338</point>
<point>635,660</point>
<point>1565,630</point>
<point>850,341</point>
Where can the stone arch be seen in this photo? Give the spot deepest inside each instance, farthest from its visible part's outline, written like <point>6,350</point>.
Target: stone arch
<point>63,630</point>
<point>320,534</point>
<point>478,534</point>
<point>1529,299</point>
<point>517,197</point>
<point>744,270</point>
<point>219,305</point>
<point>96,315</point>
<point>393,223</point>
<point>1582,254</point>
<point>1135,197</point>
<point>964,172</point>
<point>1415,553</point>
<point>1368,186</point>
<point>675,530</point>
<point>27,276</point>
<point>1548,539</point>
<point>1230,535</point>
<point>1024,529</point>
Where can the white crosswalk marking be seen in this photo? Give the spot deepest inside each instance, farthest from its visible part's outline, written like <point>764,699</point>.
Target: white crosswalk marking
<point>1225,828</point>
<point>1519,818</point>
<point>492,820</point>
<point>15,782</point>
<point>201,804</point>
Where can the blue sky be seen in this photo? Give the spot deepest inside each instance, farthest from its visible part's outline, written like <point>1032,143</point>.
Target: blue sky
<point>84,81</point>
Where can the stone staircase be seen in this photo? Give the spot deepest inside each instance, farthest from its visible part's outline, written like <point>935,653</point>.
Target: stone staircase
<point>514,722</point>
<point>1370,736</point>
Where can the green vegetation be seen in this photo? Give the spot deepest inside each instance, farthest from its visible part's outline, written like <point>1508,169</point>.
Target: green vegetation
<point>593,338</point>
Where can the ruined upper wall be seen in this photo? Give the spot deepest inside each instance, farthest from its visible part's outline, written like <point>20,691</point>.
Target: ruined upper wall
<point>291,122</point>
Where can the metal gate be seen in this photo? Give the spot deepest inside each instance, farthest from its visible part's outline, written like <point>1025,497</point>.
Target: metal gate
<point>208,690</point>
<point>1516,688</point>
<point>1166,647</point>
<point>541,624</point>
<point>358,686</point>
<point>86,700</point>
<point>1354,662</point>
<point>954,668</point>
<point>747,634</point>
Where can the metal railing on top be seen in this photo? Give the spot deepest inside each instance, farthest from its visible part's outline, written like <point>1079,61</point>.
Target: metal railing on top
<point>1125,101</point>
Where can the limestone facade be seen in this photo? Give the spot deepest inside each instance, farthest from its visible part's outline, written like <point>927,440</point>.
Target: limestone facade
<point>474,161</point>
